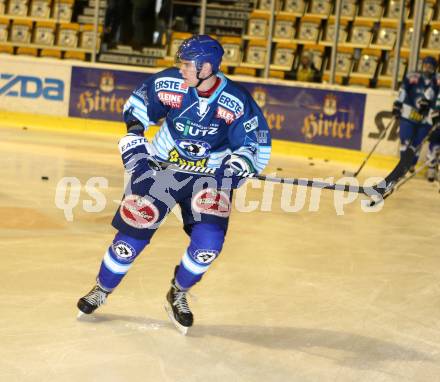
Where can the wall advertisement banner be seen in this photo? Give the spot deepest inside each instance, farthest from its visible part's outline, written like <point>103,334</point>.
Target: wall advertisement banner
<point>377,117</point>
<point>38,87</point>
<point>322,117</point>
<point>318,116</point>
<point>101,94</point>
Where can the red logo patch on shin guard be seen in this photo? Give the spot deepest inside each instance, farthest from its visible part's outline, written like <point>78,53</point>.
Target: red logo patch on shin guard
<point>138,212</point>
<point>213,202</point>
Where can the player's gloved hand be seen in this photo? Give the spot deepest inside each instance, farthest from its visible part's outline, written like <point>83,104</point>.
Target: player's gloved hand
<point>423,106</point>
<point>136,152</point>
<point>397,110</point>
<point>135,127</point>
<point>227,173</point>
<point>436,119</point>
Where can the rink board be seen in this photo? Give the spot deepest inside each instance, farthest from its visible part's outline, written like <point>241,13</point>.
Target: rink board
<point>324,116</point>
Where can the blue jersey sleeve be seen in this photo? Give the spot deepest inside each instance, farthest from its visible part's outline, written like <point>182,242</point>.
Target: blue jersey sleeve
<point>144,104</point>
<point>249,136</point>
<point>437,100</point>
<point>403,91</point>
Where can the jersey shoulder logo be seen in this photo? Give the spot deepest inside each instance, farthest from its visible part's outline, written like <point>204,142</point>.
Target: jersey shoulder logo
<point>251,124</point>
<point>231,102</point>
<point>170,84</point>
<point>171,99</point>
<point>227,115</point>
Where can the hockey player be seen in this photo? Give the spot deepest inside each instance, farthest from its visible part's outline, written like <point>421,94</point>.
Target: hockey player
<point>434,147</point>
<point>209,121</point>
<point>417,96</point>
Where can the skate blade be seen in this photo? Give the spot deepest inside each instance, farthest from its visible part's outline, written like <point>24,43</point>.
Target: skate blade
<point>80,314</point>
<point>182,329</point>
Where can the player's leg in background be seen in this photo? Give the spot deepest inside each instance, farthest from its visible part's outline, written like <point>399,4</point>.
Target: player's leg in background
<point>408,132</point>
<point>433,155</point>
<point>421,131</point>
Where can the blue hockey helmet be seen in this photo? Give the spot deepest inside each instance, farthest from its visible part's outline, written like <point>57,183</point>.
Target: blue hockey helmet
<point>201,49</point>
<point>431,61</point>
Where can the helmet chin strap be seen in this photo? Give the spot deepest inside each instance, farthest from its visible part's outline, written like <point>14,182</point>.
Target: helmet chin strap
<point>202,79</point>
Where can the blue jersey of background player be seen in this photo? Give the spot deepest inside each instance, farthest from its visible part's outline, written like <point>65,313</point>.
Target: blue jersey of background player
<point>433,154</point>
<point>209,121</point>
<point>417,97</point>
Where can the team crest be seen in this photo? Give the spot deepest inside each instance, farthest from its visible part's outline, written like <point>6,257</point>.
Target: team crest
<point>260,96</point>
<point>193,149</point>
<point>330,105</point>
<point>107,82</point>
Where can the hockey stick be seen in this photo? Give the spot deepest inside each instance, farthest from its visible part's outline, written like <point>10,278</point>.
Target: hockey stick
<point>195,170</point>
<point>379,139</point>
<point>418,170</point>
<point>402,168</point>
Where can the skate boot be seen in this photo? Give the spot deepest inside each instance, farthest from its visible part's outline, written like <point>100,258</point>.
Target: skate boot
<point>431,174</point>
<point>177,308</point>
<point>384,193</point>
<point>92,300</point>
<point>412,169</point>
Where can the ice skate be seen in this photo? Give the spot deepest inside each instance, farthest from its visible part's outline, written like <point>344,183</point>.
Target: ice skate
<point>384,192</point>
<point>431,174</point>
<point>92,300</point>
<point>389,189</point>
<point>177,308</point>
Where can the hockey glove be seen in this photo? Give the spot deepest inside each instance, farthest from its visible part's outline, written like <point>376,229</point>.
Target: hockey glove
<point>135,127</point>
<point>423,106</point>
<point>436,119</point>
<point>226,174</point>
<point>397,110</point>
<point>136,153</point>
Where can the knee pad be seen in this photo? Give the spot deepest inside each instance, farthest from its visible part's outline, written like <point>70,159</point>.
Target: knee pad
<point>206,243</point>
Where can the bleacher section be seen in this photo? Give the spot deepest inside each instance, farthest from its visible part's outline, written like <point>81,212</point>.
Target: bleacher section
<point>45,28</point>
<point>365,57</point>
